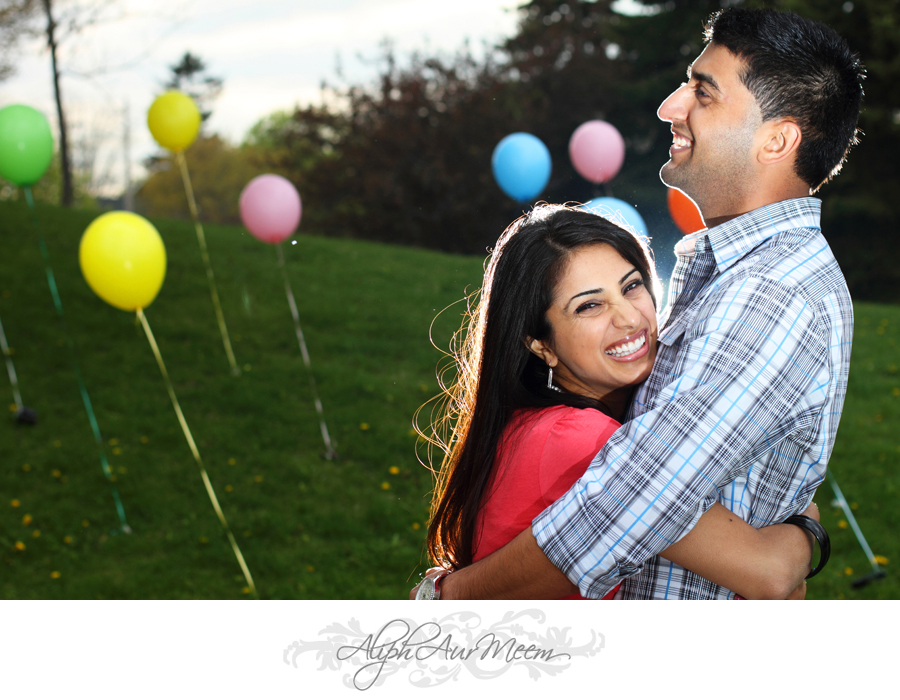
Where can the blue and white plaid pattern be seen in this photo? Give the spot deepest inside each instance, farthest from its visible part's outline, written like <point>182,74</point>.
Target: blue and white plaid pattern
<point>742,406</point>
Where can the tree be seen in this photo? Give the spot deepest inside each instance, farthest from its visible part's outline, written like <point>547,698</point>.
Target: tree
<point>15,21</point>
<point>68,193</point>
<point>219,172</point>
<point>407,158</point>
<point>190,77</point>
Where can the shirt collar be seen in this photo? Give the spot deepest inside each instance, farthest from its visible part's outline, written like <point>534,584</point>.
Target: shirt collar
<point>735,238</point>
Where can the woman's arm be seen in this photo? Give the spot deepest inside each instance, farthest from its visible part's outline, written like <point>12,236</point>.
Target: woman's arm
<point>769,563</point>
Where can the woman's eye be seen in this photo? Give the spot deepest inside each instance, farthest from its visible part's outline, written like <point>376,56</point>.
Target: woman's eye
<point>632,286</point>
<point>587,306</point>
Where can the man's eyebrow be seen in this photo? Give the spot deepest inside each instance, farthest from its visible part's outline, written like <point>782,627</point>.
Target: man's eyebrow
<point>703,78</point>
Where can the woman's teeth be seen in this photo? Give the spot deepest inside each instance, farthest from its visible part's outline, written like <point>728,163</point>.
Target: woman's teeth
<point>627,348</point>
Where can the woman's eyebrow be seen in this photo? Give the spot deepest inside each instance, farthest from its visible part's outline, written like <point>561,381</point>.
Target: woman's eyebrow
<point>599,289</point>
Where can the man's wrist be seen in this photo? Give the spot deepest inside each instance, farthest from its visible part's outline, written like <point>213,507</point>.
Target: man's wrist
<point>448,585</point>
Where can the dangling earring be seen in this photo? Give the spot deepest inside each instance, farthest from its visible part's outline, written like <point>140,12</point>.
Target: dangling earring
<point>550,384</point>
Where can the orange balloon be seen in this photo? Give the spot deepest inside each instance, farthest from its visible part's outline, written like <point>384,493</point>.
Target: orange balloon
<point>684,212</point>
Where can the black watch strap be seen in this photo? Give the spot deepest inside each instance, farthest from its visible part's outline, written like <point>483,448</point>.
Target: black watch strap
<point>814,527</point>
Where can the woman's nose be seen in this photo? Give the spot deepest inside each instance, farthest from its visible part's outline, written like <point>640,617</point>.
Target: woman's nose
<point>625,315</point>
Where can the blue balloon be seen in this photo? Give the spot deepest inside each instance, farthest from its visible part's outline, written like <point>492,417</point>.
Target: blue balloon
<point>618,212</point>
<point>521,165</point>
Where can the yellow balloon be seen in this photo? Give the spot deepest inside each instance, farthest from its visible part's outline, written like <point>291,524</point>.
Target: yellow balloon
<point>174,120</point>
<point>123,259</point>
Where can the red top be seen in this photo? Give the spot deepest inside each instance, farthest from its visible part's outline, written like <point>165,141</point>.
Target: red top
<point>542,453</point>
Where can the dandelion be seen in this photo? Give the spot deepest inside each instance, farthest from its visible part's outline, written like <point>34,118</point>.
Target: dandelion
<point>258,478</point>
<point>385,486</point>
<point>145,439</point>
<point>204,540</point>
<point>896,391</point>
<point>228,488</point>
<point>55,574</point>
<point>36,534</point>
<point>842,524</point>
<point>26,467</point>
<point>67,539</point>
<point>13,408</point>
<point>854,506</point>
<point>117,450</point>
<point>310,568</point>
<point>85,523</point>
<point>113,442</point>
<point>14,503</point>
<point>363,426</point>
<point>26,519</point>
<point>20,546</point>
<point>232,461</point>
<point>848,571</point>
<point>246,589</point>
<point>423,387</point>
<point>416,526</point>
<point>394,470</point>
<point>56,473</point>
<point>880,559</point>
<point>413,432</point>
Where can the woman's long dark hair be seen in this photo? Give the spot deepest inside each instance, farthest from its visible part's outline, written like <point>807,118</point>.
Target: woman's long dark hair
<point>496,373</point>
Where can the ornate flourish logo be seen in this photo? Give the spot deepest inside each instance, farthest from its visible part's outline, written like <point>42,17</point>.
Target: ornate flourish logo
<point>437,651</point>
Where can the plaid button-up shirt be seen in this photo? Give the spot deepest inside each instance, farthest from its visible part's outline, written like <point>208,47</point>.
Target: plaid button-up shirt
<point>742,406</point>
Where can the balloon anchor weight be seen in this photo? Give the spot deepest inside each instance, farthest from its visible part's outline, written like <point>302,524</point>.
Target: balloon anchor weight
<point>26,416</point>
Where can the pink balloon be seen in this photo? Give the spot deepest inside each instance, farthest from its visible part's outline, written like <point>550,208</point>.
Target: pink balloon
<point>597,151</point>
<point>270,208</point>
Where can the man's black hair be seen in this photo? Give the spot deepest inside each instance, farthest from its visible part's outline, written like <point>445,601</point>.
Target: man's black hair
<point>803,70</point>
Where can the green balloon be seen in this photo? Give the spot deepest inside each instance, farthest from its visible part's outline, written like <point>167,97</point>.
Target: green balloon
<point>26,144</point>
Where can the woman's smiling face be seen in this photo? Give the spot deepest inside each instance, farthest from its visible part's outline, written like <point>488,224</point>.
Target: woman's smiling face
<point>603,324</point>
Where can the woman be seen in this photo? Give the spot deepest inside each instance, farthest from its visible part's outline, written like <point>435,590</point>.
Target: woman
<point>564,330</point>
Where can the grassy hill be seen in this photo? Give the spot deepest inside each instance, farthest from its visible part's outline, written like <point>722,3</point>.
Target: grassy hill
<point>308,528</point>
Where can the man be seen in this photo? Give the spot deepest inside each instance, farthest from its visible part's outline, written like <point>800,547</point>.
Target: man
<point>743,403</point>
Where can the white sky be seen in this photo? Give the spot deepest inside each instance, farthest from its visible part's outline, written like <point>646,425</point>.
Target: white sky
<point>272,54</point>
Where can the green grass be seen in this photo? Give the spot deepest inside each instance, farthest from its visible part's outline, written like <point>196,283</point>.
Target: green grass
<point>308,528</point>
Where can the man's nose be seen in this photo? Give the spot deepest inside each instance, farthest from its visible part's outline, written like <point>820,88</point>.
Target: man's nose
<point>674,107</point>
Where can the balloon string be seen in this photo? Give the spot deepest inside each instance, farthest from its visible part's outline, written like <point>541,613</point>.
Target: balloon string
<point>329,449</point>
<point>210,278</point>
<point>195,451</point>
<point>85,398</point>
<point>11,370</point>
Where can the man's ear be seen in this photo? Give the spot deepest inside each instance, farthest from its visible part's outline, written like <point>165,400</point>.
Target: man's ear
<point>542,350</point>
<point>781,140</point>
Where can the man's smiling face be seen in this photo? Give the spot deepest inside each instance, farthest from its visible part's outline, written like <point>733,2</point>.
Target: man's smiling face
<point>714,121</point>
